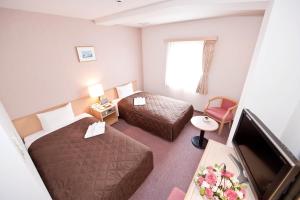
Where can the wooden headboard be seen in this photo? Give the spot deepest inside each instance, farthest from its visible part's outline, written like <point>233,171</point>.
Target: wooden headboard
<point>30,124</point>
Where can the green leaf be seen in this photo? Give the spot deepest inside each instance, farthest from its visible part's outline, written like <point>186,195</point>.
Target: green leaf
<point>202,191</point>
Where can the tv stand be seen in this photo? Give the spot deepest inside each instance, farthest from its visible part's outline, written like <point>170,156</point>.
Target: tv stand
<point>217,153</point>
<point>241,177</point>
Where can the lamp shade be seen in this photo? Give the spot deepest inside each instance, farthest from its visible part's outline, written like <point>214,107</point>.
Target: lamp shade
<point>96,90</point>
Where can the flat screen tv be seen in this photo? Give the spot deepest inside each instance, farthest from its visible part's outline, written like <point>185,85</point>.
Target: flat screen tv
<point>269,165</point>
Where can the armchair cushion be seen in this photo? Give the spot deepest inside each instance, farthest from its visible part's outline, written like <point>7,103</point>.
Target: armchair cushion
<point>226,104</point>
<point>218,113</point>
<point>176,194</point>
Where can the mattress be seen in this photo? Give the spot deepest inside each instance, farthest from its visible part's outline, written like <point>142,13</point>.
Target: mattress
<point>110,166</point>
<point>162,116</point>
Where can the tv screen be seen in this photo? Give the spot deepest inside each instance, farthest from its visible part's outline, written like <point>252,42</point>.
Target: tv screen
<point>265,159</point>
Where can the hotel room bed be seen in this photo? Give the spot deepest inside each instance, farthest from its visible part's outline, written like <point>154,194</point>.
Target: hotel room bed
<point>162,116</point>
<point>110,166</point>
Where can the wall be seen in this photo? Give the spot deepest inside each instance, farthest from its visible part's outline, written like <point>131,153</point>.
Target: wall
<point>290,135</point>
<point>233,52</point>
<point>273,84</point>
<point>39,67</point>
<point>17,171</point>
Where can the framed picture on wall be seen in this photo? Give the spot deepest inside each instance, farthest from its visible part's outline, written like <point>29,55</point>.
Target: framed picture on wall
<point>86,54</point>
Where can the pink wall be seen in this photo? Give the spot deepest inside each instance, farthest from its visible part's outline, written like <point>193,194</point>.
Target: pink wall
<point>39,67</point>
<point>233,52</point>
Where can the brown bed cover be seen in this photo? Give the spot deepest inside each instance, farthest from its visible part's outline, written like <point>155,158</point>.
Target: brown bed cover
<point>162,116</point>
<point>110,166</point>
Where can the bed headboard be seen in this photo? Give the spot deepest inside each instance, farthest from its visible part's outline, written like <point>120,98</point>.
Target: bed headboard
<point>30,124</point>
<point>112,93</point>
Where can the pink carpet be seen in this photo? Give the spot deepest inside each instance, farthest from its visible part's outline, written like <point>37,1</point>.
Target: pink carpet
<point>174,162</point>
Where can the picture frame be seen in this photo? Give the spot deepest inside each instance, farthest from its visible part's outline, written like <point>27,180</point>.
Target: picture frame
<point>86,53</point>
<point>104,100</point>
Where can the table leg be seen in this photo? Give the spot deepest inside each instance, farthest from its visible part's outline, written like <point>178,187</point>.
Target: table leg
<point>199,141</point>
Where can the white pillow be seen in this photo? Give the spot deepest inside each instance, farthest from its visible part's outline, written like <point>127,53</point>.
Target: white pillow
<point>125,90</point>
<point>55,119</point>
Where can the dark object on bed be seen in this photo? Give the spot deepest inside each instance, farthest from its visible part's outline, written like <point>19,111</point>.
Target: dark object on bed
<point>110,166</point>
<point>163,116</point>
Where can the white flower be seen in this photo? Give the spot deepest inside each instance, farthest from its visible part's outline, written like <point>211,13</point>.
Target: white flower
<point>227,183</point>
<point>234,179</point>
<point>205,171</point>
<point>220,192</point>
<point>215,188</point>
<point>218,180</point>
<point>205,184</point>
<point>240,194</point>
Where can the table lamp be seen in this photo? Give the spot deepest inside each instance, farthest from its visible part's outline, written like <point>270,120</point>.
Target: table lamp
<point>96,91</point>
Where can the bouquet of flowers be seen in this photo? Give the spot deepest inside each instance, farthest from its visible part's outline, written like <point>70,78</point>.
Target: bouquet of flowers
<point>216,183</point>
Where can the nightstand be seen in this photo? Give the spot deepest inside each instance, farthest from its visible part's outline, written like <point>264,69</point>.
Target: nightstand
<point>108,113</point>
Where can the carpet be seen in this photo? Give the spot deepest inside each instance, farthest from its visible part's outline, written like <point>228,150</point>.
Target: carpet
<point>174,162</point>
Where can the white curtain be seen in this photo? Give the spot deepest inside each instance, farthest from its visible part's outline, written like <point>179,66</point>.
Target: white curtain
<point>183,67</point>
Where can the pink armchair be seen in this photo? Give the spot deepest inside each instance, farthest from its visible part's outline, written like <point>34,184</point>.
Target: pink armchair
<point>176,194</point>
<point>223,113</point>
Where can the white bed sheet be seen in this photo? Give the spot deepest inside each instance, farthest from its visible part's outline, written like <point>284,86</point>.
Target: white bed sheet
<point>33,137</point>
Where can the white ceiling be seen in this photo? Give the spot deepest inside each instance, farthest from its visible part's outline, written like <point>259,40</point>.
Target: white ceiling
<point>85,9</point>
<point>139,13</point>
<point>183,10</point>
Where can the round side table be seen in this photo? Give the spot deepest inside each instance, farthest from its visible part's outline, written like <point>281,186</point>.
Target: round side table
<point>203,125</point>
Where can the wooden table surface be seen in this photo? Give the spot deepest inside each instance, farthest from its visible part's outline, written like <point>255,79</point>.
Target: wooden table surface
<point>215,153</point>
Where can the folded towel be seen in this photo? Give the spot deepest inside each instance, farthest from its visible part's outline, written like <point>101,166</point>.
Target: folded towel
<point>139,101</point>
<point>96,128</point>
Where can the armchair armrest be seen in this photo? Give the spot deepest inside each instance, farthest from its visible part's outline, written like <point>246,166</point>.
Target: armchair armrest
<point>215,98</point>
<point>211,100</point>
<point>231,109</point>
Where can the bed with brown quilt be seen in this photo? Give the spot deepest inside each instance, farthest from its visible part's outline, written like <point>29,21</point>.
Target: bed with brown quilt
<point>110,166</point>
<point>162,116</point>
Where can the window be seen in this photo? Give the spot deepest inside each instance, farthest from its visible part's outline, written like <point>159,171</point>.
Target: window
<point>184,65</point>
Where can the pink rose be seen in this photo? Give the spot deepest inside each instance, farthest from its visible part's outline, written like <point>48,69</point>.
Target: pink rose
<point>230,194</point>
<point>200,180</point>
<point>227,174</point>
<point>210,168</point>
<point>211,178</point>
<point>209,193</point>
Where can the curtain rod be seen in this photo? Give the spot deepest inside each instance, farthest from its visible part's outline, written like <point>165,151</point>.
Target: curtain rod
<point>192,39</point>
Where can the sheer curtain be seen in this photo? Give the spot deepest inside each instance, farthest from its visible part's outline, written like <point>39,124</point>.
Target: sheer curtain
<point>208,52</point>
<point>184,65</point>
